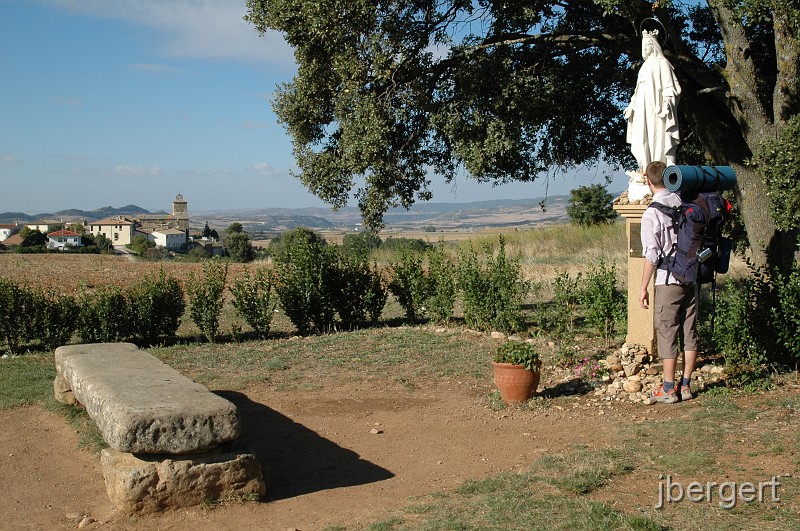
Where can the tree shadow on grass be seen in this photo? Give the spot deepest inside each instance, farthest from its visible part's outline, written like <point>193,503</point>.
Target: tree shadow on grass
<point>294,459</point>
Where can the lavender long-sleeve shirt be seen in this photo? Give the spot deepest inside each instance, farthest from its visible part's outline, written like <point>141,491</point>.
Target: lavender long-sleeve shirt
<point>658,234</point>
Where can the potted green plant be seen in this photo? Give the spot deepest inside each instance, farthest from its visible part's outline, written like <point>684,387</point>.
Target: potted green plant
<point>517,369</point>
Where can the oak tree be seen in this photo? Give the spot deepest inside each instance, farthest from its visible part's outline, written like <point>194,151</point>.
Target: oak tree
<point>392,93</point>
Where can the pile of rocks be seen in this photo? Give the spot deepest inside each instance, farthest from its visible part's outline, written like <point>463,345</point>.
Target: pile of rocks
<point>634,375</point>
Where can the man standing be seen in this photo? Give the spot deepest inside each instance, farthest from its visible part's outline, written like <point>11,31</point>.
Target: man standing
<point>675,303</point>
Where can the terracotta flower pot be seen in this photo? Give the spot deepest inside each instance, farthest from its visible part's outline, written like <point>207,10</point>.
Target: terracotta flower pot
<point>516,383</point>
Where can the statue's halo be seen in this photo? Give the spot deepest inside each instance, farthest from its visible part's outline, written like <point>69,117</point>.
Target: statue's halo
<point>651,24</point>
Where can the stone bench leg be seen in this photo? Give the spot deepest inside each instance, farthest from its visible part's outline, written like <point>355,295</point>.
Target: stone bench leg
<point>149,483</point>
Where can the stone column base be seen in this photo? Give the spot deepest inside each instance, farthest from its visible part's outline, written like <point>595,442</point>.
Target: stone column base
<point>151,483</point>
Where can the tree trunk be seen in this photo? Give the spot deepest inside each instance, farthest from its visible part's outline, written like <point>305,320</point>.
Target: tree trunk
<point>732,127</point>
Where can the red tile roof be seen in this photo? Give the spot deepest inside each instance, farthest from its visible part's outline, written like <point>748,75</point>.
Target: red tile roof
<point>63,232</point>
<point>14,239</point>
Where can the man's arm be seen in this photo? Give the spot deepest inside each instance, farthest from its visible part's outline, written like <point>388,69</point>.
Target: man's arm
<point>647,274</point>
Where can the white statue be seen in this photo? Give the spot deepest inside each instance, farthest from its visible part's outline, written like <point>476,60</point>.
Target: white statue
<point>652,114</point>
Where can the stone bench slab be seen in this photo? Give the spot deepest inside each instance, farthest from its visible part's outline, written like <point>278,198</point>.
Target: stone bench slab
<point>140,404</point>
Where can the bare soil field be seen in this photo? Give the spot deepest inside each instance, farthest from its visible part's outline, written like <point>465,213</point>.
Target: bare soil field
<point>70,273</point>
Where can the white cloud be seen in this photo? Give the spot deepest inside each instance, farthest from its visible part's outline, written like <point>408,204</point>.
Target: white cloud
<point>137,171</point>
<point>197,29</point>
<point>266,169</point>
<point>9,159</point>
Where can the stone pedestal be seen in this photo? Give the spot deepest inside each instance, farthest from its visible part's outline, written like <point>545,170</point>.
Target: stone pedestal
<point>641,330</point>
<point>152,483</point>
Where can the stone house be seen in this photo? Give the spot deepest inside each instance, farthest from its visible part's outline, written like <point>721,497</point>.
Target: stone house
<point>45,225</point>
<point>169,238</point>
<point>7,230</point>
<point>120,230</point>
<point>60,239</point>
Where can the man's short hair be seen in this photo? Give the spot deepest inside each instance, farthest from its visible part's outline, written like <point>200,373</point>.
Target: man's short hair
<point>655,172</point>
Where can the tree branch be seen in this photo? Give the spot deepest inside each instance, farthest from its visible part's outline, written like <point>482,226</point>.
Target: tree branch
<point>604,40</point>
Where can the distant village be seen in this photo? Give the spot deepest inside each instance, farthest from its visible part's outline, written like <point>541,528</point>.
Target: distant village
<point>167,231</point>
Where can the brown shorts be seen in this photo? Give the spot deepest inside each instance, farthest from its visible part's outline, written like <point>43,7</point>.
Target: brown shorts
<point>675,316</point>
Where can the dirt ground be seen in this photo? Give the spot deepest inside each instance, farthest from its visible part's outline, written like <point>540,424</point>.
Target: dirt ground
<point>339,455</point>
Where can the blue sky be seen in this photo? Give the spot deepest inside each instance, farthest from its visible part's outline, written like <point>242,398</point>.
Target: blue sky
<point>113,102</point>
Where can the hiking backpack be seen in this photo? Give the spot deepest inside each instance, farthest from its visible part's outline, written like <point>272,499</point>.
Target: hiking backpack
<point>699,251</point>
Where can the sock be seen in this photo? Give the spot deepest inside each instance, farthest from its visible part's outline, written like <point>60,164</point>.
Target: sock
<point>668,386</point>
<point>685,381</point>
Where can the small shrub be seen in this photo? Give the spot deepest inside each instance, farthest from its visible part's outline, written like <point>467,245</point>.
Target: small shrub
<point>751,328</point>
<point>206,297</point>
<point>17,305</point>
<point>443,289</point>
<point>409,283</point>
<point>104,316</point>
<point>360,243</point>
<point>786,314</point>
<point>254,300</point>
<point>287,240</point>
<point>306,273</point>
<point>757,326</point>
<point>566,299</point>
<point>54,319</point>
<point>493,290</point>
<point>156,304</point>
<point>362,294</point>
<point>376,296</point>
<point>405,244</point>
<point>736,335</point>
<point>605,305</point>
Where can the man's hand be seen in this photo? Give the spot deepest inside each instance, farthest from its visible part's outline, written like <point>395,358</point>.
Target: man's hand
<point>644,299</point>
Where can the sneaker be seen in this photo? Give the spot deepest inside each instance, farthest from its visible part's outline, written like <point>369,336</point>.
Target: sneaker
<point>686,393</point>
<point>659,395</point>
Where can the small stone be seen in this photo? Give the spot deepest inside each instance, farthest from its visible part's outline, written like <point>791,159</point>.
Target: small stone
<point>498,335</point>
<point>75,517</point>
<point>641,358</point>
<point>515,338</point>
<point>652,371</point>
<point>87,521</point>
<point>648,401</point>
<point>632,368</point>
<point>612,360</point>
<point>632,386</point>
<point>375,431</point>
<point>441,330</point>
<point>717,370</point>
